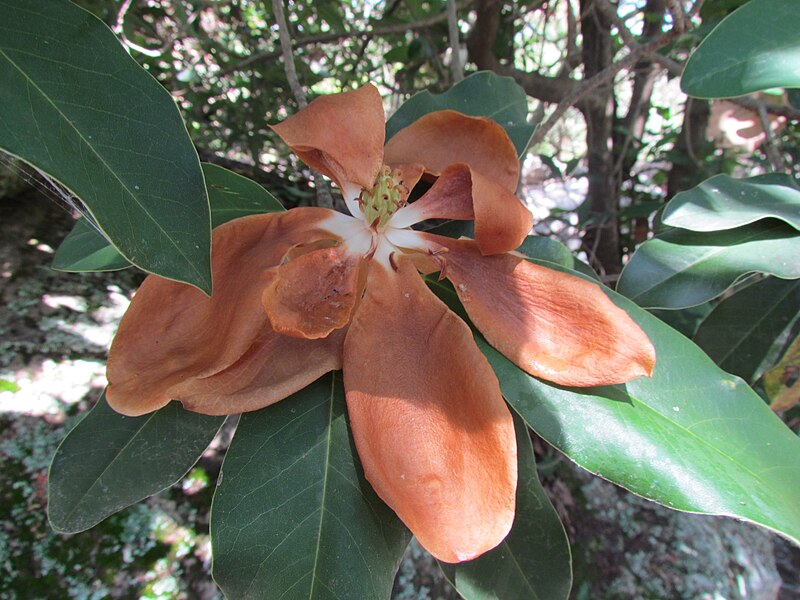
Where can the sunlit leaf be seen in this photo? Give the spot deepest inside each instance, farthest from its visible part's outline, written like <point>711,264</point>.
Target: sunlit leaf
<point>85,249</point>
<point>74,104</point>
<point>754,48</point>
<point>741,331</point>
<point>534,560</point>
<point>293,516</point>
<point>483,94</point>
<point>724,203</point>
<point>681,268</point>
<point>109,461</point>
<point>692,437</point>
<point>230,195</point>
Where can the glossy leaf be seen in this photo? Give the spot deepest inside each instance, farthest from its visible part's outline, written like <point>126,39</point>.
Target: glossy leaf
<point>230,195</point>
<point>741,331</point>
<point>86,249</point>
<point>75,105</point>
<point>755,48</point>
<point>483,94</point>
<point>724,203</point>
<point>692,437</point>
<point>109,461</point>
<point>293,516</point>
<point>534,560</point>
<point>680,268</point>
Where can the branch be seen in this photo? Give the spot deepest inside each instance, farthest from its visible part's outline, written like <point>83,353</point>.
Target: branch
<point>324,197</point>
<point>452,34</point>
<point>336,36</point>
<point>480,42</point>
<point>604,76</point>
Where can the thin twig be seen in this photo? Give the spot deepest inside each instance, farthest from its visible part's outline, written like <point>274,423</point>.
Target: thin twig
<point>288,57</point>
<point>455,48</point>
<point>336,36</point>
<point>770,147</point>
<point>596,81</point>
<point>324,197</point>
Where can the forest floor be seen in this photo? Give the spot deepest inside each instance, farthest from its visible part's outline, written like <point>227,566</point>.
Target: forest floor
<point>54,332</point>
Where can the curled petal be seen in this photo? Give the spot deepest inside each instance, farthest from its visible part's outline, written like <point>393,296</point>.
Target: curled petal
<point>431,428</point>
<point>340,135</point>
<point>501,220</point>
<point>314,293</point>
<point>553,325</point>
<point>274,367</point>
<point>172,332</point>
<point>439,139</point>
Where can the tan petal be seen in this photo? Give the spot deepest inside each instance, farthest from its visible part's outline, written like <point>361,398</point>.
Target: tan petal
<point>439,139</point>
<point>274,367</point>
<point>553,325</point>
<point>172,332</point>
<point>340,135</point>
<point>314,293</point>
<point>501,220</point>
<point>433,433</point>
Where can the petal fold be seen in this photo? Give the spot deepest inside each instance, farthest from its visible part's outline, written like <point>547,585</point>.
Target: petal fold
<point>274,367</point>
<point>553,325</point>
<point>441,138</point>
<point>172,332</point>
<point>461,193</point>
<point>314,293</point>
<point>434,435</point>
<point>340,135</point>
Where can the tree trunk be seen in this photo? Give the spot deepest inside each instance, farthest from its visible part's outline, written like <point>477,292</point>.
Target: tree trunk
<point>601,240</point>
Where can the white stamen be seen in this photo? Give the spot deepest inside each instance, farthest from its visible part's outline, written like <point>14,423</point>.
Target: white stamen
<point>406,238</point>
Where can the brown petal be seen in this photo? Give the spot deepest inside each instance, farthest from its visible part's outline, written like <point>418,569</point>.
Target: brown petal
<point>501,220</point>
<point>314,293</point>
<point>274,367</point>
<point>439,139</point>
<point>431,428</point>
<point>553,325</point>
<point>173,333</point>
<point>340,135</point>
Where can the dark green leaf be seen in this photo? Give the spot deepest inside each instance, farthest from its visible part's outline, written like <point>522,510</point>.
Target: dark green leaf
<point>85,249</point>
<point>682,268</point>
<point>230,195</point>
<point>534,560</point>
<point>293,516</point>
<point>109,461</point>
<point>692,437</point>
<point>741,330</point>
<point>724,203</point>
<point>685,320</point>
<point>482,94</point>
<point>754,48</point>
<point>547,249</point>
<point>75,105</point>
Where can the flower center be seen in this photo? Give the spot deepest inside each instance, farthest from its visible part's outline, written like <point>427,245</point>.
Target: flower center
<point>384,198</point>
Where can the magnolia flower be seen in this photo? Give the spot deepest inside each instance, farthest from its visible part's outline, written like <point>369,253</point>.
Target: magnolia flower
<point>301,293</point>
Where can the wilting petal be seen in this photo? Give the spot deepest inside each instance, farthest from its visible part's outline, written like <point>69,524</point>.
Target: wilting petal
<point>433,433</point>
<point>274,367</point>
<point>439,139</point>
<point>340,135</point>
<point>314,293</point>
<point>501,221</point>
<point>173,332</point>
<point>553,325</point>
